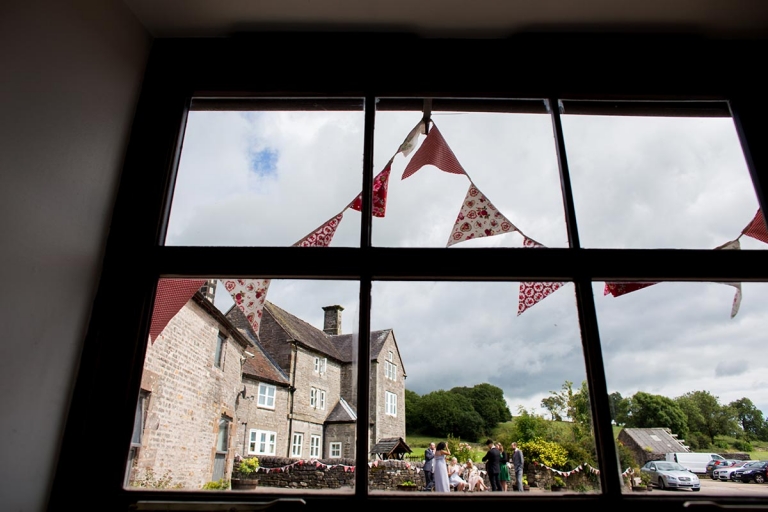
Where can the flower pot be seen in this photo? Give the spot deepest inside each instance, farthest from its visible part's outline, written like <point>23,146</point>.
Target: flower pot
<point>556,488</point>
<point>409,488</point>
<point>244,484</point>
<point>641,489</point>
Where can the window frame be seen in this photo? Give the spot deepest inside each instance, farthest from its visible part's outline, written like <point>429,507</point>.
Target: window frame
<point>218,356</point>
<point>390,403</point>
<point>266,395</point>
<point>258,432</point>
<point>179,69</point>
<point>297,436</point>
<point>315,443</point>
<point>333,446</point>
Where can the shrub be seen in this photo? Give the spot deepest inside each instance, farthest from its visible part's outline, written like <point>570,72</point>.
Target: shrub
<point>546,452</point>
<point>220,485</point>
<point>248,466</point>
<point>150,481</point>
<point>558,481</point>
<point>743,446</point>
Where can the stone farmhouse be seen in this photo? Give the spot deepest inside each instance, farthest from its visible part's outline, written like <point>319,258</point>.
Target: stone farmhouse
<point>212,389</point>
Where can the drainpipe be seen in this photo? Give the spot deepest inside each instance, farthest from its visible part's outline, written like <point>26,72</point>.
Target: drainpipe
<point>292,391</point>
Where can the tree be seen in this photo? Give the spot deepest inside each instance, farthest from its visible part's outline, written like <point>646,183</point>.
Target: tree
<point>488,401</point>
<point>529,426</point>
<point>706,415</point>
<point>619,408</point>
<point>750,418</point>
<point>414,417</point>
<point>446,413</point>
<point>554,405</point>
<point>649,411</point>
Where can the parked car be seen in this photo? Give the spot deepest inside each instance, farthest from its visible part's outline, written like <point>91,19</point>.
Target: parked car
<point>717,463</point>
<point>694,461</point>
<point>671,475</point>
<point>727,473</point>
<point>757,473</point>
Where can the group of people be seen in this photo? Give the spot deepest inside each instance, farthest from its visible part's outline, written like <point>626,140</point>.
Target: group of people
<point>443,471</point>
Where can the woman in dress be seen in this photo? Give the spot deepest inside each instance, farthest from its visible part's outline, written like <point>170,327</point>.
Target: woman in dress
<point>441,468</point>
<point>472,475</point>
<point>503,468</point>
<point>454,475</point>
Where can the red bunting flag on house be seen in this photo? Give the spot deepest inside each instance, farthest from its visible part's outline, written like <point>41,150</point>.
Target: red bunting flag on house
<point>434,151</point>
<point>531,293</point>
<point>617,289</point>
<point>478,218</point>
<point>380,184</point>
<point>249,296</point>
<point>322,236</point>
<point>756,228</point>
<point>171,296</point>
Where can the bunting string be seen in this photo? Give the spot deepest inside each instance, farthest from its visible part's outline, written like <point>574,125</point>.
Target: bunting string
<point>301,463</point>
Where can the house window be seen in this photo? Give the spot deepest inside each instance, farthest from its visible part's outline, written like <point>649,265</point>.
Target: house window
<point>390,370</point>
<point>390,356</point>
<point>221,341</point>
<point>391,404</point>
<point>320,364</point>
<point>335,450</point>
<point>312,397</point>
<point>296,444</point>
<point>266,395</point>
<point>261,442</point>
<point>314,447</point>
<point>321,399</point>
<point>138,433</point>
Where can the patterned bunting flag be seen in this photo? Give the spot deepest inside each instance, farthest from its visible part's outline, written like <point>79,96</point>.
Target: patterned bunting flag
<point>734,245</point>
<point>434,151</point>
<point>322,236</point>
<point>617,289</point>
<point>249,296</point>
<point>380,184</point>
<point>171,296</point>
<point>410,141</point>
<point>756,228</point>
<point>478,218</point>
<point>532,293</point>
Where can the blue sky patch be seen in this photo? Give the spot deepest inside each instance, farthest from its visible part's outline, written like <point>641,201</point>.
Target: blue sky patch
<point>264,162</point>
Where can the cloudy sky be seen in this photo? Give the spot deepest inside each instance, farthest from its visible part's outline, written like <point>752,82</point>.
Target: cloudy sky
<point>270,178</point>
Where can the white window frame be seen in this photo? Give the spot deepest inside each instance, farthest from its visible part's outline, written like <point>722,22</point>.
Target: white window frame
<point>257,438</point>
<point>335,449</point>
<point>296,444</point>
<point>314,446</point>
<point>390,403</point>
<point>312,397</point>
<point>390,370</point>
<point>267,394</point>
<point>321,363</point>
<point>321,399</point>
<point>390,356</point>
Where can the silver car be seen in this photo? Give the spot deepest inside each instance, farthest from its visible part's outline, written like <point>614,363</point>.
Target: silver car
<point>727,473</point>
<point>671,475</point>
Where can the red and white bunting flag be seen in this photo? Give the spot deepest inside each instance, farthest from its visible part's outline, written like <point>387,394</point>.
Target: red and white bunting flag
<point>410,141</point>
<point>171,296</point>
<point>249,296</point>
<point>733,245</point>
<point>434,151</point>
<point>756,228</point>
<point>478,218</point>
<point>617,289</point>
<point>322,236</point>
<point>380,184</point>
<point>531,293</point>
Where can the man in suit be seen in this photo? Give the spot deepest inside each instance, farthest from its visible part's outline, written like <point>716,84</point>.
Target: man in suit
<point>429,468</point>
<point>492,459</point>
<point>517,462</point>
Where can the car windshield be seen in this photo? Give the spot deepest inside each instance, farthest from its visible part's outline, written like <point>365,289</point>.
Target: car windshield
<point>670,466</point>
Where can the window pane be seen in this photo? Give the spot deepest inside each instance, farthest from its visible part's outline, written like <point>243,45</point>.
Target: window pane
<point>267,178</point>
<point>508,158</point>
<point>658,182</point>
<point>264,396</point>
<point>682,372</point>
<point>475,369</point>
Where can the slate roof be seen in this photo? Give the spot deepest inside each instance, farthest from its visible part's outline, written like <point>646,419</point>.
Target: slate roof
<point>303,332</point>
<point>342,413</point>
<point>390,445</point>
<point>659,440</point>
<point>345,344</point>
<point>261,366</point>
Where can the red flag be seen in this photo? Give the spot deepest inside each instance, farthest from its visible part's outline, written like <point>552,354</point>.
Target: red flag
<point>434,151</point>
<point>617,289</point>
<point>756,229</point>
<point>532,293</point>
<point>380,183</point>
<point>171,296</point>
<point>322,236</point>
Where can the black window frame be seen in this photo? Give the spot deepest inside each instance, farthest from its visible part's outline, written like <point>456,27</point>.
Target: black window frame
<point>611,69</point>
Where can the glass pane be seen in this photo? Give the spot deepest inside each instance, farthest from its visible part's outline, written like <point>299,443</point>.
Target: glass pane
<point>658,182</point>
<point>470,368</point>
<point>254,409</point>
<point>481,179</point>
<point>682,376</point>
<point>267,177</point>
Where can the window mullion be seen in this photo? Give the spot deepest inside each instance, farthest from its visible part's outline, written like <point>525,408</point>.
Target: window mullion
<point>565,176</point>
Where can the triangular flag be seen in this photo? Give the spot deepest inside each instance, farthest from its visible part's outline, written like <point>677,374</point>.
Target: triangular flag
<point>531,293</point>
<point>249,296</point>
<point>380,184</point>
<point>322,236</point>
<point>434,151</point>
<point>734,244</point>
<point>171,296</point>
<point>478,218</point>
<point>617,289</point>
<point>410,141</point>
<point>756,228</point>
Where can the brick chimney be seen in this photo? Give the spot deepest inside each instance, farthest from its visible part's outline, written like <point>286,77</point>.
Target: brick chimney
<point>332,321</point>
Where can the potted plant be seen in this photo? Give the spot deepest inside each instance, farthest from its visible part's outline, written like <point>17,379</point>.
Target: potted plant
<point>245,472</point>
<point>645,483</point>
<point>526,487</point>
<point>408,485</point>
<point>558,484</point>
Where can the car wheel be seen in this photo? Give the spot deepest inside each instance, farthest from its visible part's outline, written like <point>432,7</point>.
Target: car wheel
<point>661,484</point>
<point>759,478</point>
<point>745,480</point>
<point>695,490</point>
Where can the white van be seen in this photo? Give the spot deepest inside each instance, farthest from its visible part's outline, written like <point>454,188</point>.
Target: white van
<point>695,462</point>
